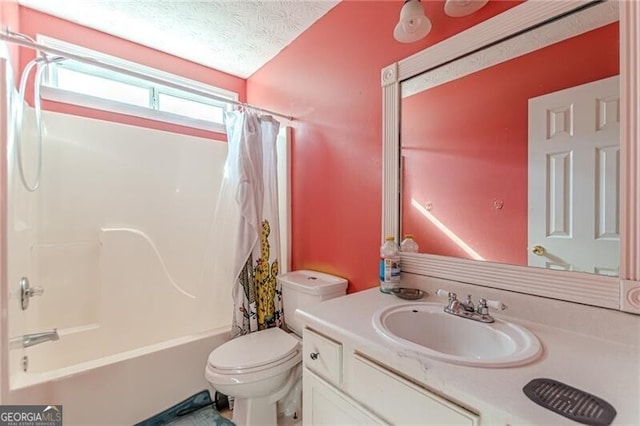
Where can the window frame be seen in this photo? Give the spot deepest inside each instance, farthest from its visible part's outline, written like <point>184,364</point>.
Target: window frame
<point>52,93</point>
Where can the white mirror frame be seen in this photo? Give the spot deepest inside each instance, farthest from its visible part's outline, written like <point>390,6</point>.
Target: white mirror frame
<point>621,293</point>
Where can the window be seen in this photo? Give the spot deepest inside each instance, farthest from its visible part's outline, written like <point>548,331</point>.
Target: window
<point>197,108</point>
<point>67,78</point>
<point>91,86</point>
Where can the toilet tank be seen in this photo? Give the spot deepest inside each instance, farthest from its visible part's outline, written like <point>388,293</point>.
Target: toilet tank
<point>302,288</point>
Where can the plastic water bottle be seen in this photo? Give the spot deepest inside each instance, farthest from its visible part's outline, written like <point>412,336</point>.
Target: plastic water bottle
<point>389,266</point>
<point>409,245</point>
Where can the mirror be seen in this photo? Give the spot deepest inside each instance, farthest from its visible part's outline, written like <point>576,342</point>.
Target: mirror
<point>511,154</point>
<point>438,68</point>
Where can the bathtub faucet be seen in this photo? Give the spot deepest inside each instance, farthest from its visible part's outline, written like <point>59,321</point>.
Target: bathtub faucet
<point>37,338</point>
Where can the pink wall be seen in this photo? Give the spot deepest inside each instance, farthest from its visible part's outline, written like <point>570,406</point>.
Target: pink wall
<point>462,158</point>
<point>33,22</point>
<point>329,80</point>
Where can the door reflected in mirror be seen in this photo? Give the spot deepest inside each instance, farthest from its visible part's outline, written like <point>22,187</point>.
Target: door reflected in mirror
<point>511,154</point>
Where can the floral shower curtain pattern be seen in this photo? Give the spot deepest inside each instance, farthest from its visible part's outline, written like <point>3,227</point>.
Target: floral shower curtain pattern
<point>253,161</point>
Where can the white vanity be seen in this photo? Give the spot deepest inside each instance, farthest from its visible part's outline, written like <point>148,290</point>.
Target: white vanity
<point>353,374</point>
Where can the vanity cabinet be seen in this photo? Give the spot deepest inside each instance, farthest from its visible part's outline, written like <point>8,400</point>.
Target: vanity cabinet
<point>323,403</point>
<point>344,387</point>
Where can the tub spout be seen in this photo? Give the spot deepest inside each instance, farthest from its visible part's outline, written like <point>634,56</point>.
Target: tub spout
<point>37,338</point>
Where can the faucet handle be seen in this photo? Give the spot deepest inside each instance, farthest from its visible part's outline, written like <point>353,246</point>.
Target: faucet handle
<point>484,305</point>
<point>444,293</point>
<point>35,291</point>
<point>497,305</point>
<point>453,305</point>
<point>27,292</point>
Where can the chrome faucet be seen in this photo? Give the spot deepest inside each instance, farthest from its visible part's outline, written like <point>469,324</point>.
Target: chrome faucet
<point>37,338</point>
<point>468,310</point>
<point>468,305</point>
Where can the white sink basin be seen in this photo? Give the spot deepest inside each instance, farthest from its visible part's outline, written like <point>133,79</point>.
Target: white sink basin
<point>427,329</point>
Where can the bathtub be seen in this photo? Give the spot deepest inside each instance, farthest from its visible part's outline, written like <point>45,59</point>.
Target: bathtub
<point>125,388</point>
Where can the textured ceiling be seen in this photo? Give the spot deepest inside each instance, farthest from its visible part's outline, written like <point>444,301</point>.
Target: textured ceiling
<point>235,36</point>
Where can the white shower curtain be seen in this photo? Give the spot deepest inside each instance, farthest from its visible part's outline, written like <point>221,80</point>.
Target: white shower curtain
<point>251,176</point>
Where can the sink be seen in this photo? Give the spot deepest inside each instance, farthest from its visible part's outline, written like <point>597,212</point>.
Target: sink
<point>425,328</point>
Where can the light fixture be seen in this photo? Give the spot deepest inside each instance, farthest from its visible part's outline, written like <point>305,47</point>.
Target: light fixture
<point>458,8</point>
<point>413,24</point>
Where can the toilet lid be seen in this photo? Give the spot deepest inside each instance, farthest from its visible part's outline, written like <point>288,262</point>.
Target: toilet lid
<point>254,350</point>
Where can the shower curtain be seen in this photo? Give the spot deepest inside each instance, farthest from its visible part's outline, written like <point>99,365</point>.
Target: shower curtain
<point>251,173</point>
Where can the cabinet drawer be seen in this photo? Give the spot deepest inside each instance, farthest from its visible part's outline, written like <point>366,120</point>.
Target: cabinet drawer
<point>399,401</point>
<point>323,356</point>
<point>325,405</point>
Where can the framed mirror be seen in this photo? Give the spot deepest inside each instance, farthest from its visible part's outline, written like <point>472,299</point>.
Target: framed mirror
<point>462,174</point>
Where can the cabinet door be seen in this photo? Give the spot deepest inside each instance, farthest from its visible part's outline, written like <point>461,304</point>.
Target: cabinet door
<point>401,402</point>
<point>323,356</point>
<point>325,405</point>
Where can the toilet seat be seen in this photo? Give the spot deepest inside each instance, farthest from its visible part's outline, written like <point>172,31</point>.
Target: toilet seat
<point>254,352</point>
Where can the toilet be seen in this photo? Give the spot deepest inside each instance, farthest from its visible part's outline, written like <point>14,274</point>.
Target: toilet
<point>263,370</point>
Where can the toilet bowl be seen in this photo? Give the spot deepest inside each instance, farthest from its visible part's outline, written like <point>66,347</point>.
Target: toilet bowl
<point>258,370</point>
<point>263,370</point>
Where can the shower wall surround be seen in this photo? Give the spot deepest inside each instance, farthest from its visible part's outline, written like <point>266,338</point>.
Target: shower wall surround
<point>118,236</point>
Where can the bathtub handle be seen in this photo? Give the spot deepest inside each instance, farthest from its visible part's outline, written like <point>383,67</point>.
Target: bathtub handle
<point>314,355</point>
<point>27,292</point>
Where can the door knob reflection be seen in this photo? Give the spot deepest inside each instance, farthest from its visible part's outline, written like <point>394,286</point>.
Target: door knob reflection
<point>538,250</point>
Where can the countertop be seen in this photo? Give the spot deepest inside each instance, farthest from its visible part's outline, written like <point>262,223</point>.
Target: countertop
<point>609,369</point>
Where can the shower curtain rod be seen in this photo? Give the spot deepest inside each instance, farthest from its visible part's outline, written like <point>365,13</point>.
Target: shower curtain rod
<point>92,61</point>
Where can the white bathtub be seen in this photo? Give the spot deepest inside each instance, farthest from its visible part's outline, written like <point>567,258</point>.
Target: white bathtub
<point>125,388</point>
